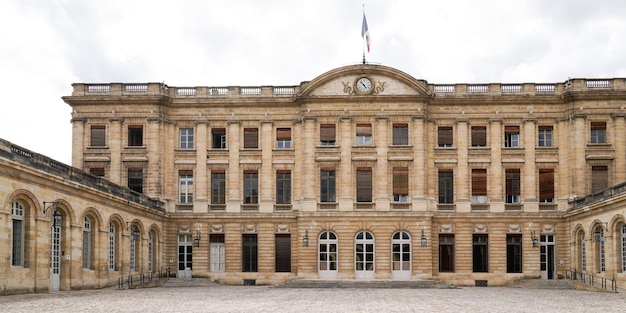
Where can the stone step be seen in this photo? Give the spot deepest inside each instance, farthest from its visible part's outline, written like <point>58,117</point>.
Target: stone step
<point>320,283</point>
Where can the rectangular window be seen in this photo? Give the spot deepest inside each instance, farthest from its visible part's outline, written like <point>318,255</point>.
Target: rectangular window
<point>444,136</point>
<point>112,247</point>
<point>250,187</point>
<point>400,134</point>
<point>479,186</point>
<point>446,186</point>
<point>251,138</point>
<point>546,185</point>
<point>185,186</point>
<point>511,136</point>
<point>186,138</point>
<point>363,134</point>
<point>327,135</point>
<point>401,184</point>
<point>364,184</point>
<point>514,253</point>
<point>327,185</point>
<point>283,252</point>
<point>135,179</point>
<point>512,185</point>
<point>218,188</point>
<point>598,132</point>
<point>283,187</point>
<point>98,135</point>
<point>480,258</point>
<point>599,178</point>
<point>479,136</point>
<point>249,253</point>
<point>446,253</point>
<point>135,135</point>
<point>283,138</point>
<point>97,171</point>
<point>545,136</point>
<point>218,138</point>
<point>218,253</point>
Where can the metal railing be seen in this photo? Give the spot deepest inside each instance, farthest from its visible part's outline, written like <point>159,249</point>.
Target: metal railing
<point>131,281</point>
<point>591,280</point>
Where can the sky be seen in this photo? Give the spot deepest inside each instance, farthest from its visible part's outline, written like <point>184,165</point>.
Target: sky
<point>46,45</point>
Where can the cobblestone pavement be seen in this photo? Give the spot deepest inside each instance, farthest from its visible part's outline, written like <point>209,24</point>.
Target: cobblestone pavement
<point>210,297</point>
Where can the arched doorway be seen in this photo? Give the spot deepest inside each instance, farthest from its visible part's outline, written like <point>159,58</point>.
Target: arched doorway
<point>327,256</point>
<point>401,256</point>
<point>364,256</point>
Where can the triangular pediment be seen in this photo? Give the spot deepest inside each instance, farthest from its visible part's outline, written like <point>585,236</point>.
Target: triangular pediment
<point>381,81</point>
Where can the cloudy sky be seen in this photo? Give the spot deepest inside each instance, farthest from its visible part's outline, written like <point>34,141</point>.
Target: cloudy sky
<point>46,45</point>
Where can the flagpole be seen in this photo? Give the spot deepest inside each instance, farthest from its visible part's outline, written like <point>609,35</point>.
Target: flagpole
<point>363,37</point>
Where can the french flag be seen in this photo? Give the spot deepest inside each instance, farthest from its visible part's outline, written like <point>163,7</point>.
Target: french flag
<point>365,33</point>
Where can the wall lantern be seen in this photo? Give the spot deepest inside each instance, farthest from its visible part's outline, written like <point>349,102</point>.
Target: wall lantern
<point>423,240</point>
<point>305,239</point>
<point>196,239</point>
<point>534,239</point>
<point>56,215</point>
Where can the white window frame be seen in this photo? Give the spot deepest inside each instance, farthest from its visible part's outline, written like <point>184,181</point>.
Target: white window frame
<point>185,188</point>
<point>87,243</point>
<point>17,238</point>
<point>186,138</point>
<point>111,247</point>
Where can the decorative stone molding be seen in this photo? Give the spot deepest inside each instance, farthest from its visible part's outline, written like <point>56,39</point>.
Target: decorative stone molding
<point>548,229</point>
<point>216,228</point>
<point>513,229</point>
<point>481,229</point>
<point>283,228</point>
<point>446,229</point>
<point>248,228</point>
<point>184,229</point>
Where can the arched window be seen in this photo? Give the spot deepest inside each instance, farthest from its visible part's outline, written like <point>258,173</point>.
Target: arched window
<point>135,237</point>
<point>150,251</point>
<point>87,243</point>
<point>623,228</point>
<point>583,252</point>
<point>598,238</point>
<point>327,259</point>
<point>17,236</point>
<point>364,255</point>
<point>112,237</point>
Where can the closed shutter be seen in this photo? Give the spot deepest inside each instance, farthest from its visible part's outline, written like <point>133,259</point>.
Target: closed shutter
<point>250,138</point>
<point>479,182</point>
<point>364,184</point>
<point>98,136</point>
<point>400,181</point>
<point>363,129</point>
<point>546,185</point>
<point>283,134</point>
<point>599,178</point>
<point>327,132</point>
<point>479,136</point>
<point>444,136</point>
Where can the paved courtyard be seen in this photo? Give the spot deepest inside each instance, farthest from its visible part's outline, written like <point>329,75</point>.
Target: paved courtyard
<point>215,298</point>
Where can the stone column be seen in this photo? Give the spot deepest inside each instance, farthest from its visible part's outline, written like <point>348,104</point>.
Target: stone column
<point>201,203</point>
<point>620,148</point>
<point>154,143</point>
<point>380,181</point>
<point>79,138</point>
<point>578,141</point>
<point>529,173</point>
<point>115,147</point>
<point>418,177</point>
<point>310,175</point>
<point>234,182</point>
<point>345,180</point>
<point>462,179</point>
<point>266,175</point>
<point>495,171</point>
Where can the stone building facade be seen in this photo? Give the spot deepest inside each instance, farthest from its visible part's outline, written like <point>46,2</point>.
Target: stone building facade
<point>368,173</point>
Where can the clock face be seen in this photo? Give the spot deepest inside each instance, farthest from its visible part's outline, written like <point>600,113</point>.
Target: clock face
<point>364,84</point>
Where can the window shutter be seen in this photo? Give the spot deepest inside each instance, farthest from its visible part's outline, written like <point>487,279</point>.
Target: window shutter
<point>400,181</point>
<point>364,185</point>
<point>479,182</point>
<point>598,125</point>
<point>327,132</point>
<point>543,127</point>
<point>599,178</point>
<point>363,129</point>
<point>283,134</point>
<point>250,138</point>
<point>185,172</point>
<point>444,136</point>
<point>511,129</point>
<point>479,136</point>
<point>546,184</point>
<point>512,182</point>
<point>98,135</point>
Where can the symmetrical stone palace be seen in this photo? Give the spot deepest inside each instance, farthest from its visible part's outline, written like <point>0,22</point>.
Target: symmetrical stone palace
<point>362,173</point>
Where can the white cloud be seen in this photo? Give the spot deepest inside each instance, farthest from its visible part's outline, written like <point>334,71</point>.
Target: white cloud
<point>47,45</point>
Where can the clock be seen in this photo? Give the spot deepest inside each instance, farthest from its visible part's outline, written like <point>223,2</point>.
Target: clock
<point>363,85</point>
